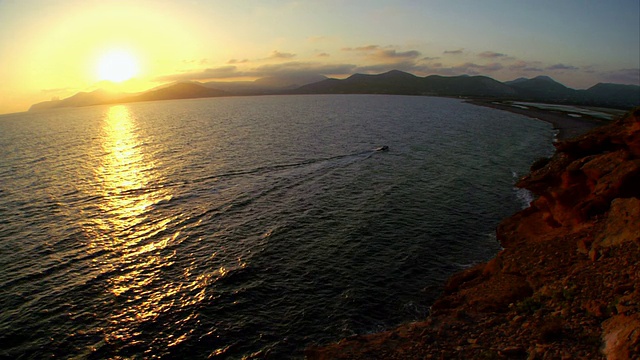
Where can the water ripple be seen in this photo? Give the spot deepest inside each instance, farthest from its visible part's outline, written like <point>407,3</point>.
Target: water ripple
<point>245,227</point>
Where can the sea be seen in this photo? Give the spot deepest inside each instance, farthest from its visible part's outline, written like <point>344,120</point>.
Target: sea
<point>245,227</point>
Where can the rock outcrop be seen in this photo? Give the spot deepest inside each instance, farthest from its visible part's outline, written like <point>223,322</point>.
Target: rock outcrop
<point>566,285</point>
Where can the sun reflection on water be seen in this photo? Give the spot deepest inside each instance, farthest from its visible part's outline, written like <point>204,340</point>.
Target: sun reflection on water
<point>137,239</point>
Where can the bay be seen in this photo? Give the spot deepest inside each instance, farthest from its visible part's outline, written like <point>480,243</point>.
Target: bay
<point>248,226</point>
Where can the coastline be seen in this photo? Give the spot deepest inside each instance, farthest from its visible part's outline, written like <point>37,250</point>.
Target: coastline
<point>568,126</point>
<point>566,284</point>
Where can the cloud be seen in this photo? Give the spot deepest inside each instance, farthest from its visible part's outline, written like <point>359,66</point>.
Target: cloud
<point>408,66</point>
<point>453,52</point>
<point>423,69</point>
<point>491,55</point>
<point>287,69</point>
<point>468,68</point>
<point>485,68</point>
<point>55,90</point>
<point>623,76</point>
<point>381,59</point>
<point>195,61</point>
<point>529,66</point>
<point>222,72</point>
<point>362,48</point>
<point>385,56</point>
<point>561,67</point>
<point>299,68</point>
<point>392,54</point>
<point>476,69</point>
<point>280,55</point>
<point>491,67</point>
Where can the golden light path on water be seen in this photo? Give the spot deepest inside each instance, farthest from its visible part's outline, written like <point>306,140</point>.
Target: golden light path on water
<point>138,240</point>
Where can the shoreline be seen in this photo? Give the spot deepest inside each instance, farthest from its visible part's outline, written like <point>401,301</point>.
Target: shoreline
<point>568,127</point>
<point>565,284</point>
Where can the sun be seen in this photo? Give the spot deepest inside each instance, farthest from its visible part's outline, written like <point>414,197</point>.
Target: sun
<point>117,66</point>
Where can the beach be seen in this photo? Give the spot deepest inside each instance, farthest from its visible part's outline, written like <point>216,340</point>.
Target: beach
<point>568,126</point>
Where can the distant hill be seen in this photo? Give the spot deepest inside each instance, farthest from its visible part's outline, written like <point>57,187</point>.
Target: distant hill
<point>518,80</point>
<point>398,82</point>
<point>287,82</point>
<point>392,82</point>
<point>265,85</point>
<point>185,90</point>
<point>177,91</point>
<point>538,89</point>
<point>613,95</point>
<point>543,87</point>
<point>96,97</point>
<point>469,86</point>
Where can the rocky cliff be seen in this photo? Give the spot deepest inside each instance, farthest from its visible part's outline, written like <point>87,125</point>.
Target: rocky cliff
<point>566,285</point>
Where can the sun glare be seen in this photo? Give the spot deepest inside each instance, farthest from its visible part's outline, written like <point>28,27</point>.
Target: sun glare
<point>117,66</point>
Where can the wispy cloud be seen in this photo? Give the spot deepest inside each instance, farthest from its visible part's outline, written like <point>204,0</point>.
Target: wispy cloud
<point>287,69</point>
<point>528,66</point>
<point>222,72</point>
<point>477,69</point>
<point>281,55</point>
<point>408,66</point>
<point>378,59</point>
<point>392,54</point>
<point>385,54</point>
<point>623,76</point>
<point>56,90</point>
<point>195,61</point>
<point>362,48</point>
<point>561,67</point>
<point>467,68</point>
<point>297,68</point>
<point>491,55</point>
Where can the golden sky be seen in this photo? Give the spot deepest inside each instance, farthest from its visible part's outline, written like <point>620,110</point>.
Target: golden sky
<point>51,48</point>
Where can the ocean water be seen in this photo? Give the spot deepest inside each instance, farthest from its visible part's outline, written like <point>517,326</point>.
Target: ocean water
<point>247,227</point>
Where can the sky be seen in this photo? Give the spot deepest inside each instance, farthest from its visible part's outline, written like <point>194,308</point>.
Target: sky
<point>53,49</point>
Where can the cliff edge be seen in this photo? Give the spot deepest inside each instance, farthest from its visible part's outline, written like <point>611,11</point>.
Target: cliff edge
<point>567,283</point>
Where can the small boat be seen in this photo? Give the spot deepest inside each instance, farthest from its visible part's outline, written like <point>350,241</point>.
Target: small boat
<point>383,148</point>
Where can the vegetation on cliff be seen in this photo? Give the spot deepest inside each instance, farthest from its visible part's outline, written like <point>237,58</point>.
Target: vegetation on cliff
<point>566,285</point>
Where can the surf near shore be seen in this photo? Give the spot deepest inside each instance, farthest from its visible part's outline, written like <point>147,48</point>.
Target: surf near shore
<point>570,121</point>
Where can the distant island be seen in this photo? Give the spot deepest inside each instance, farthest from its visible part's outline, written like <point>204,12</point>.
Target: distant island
<point>539,89</point>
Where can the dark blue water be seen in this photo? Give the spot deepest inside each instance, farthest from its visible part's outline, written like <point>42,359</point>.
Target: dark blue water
<point>244,227</point>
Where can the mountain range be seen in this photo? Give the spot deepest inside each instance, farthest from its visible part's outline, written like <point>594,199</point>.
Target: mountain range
<point>538,89</point>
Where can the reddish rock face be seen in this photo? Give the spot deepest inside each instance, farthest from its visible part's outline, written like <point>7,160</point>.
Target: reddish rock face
<point>587,173</point>
<point>621,224</point>
<point>621,337</point>
<point>566,285</point>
